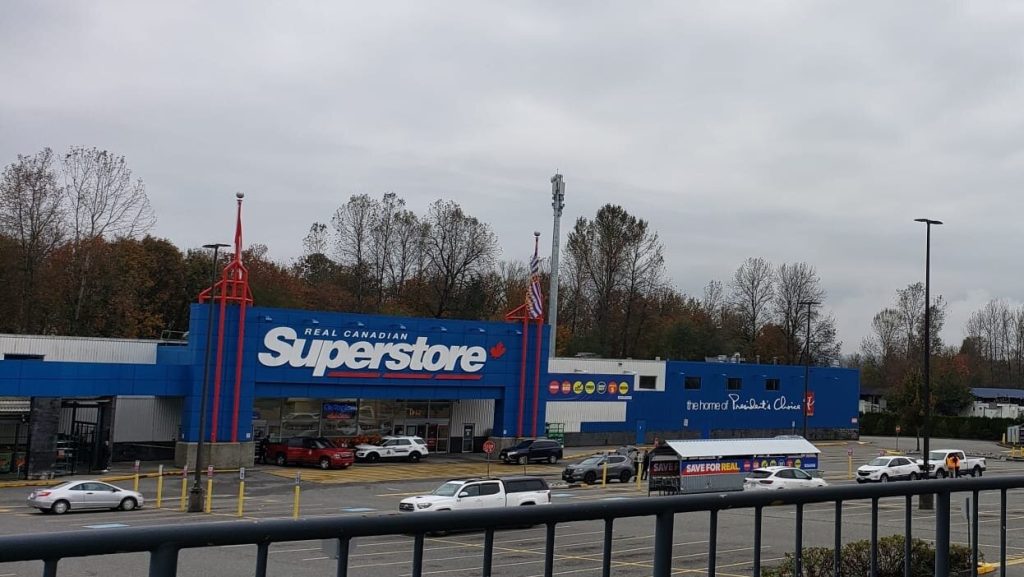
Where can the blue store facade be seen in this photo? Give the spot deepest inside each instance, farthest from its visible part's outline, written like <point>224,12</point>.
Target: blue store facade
<point>356,377</point>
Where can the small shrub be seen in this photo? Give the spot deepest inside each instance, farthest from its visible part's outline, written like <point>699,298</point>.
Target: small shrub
<point>856,560</point>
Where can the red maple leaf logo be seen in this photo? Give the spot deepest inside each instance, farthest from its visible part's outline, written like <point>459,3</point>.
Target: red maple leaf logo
<point>498,350</point>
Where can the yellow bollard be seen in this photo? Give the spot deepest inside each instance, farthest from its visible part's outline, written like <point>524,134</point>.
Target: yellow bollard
<point>209,489</point>
<point>241,490</point>
<point>295,504</point>
<point>159,485</point>
<point>604,474</point>
<point>135,484</point>
<point>184,487</point>
<point>849,466</point>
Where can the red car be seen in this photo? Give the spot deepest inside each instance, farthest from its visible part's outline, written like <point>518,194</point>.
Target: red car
<point>309,451</point>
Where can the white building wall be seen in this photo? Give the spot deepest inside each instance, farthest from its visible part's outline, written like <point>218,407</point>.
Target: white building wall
<point>994,410</point>
<point>144,419</point>
<point>573,413</point>
<point>480,412</point>
<point>626,367</point>
<point>80,349</point>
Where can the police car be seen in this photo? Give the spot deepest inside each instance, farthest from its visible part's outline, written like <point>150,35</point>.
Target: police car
<point>394,447</point>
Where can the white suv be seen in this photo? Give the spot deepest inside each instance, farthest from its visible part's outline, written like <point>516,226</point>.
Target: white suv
<point>408,448</point>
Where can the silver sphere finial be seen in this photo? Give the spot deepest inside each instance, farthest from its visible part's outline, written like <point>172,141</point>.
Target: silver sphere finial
<point>535,233</point>
<point>239,195</point>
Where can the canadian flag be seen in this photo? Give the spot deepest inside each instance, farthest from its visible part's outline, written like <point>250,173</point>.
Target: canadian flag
<point>809,403</point>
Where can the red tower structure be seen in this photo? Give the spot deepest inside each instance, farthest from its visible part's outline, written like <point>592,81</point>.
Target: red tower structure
<point>531,310</point>
<point>233,287</point>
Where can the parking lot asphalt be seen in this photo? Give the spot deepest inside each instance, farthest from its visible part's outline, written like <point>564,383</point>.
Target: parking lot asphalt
<point>518,553</point>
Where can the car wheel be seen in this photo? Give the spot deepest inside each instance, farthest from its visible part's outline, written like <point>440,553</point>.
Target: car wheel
<point>373,457</point>
<point>414,457</point>
<point>325,463</point>
<point>60,507</point>
<point>522,460</point>
<point>884,478</point>
<point>913,476</point>
<point>281,460</point>
<point>976,471</point>
<point>625,476</point>
<point>553,459</point>
<point>128,503</point>
<point>941,474</point>
<point>590,478</point>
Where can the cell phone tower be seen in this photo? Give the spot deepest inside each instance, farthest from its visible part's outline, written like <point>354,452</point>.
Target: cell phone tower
<point>557,203</point>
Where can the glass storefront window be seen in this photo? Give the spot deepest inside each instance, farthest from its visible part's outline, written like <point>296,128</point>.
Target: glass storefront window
<point>301,418</point>
<point>440,409</point>
<point>340,418</point>
<point>416,410</point>
<point>266,419</point>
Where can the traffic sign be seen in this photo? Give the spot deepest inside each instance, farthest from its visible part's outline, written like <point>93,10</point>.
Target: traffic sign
<point>897,429</point>
<point>488,447</point>
<point>849,451</point>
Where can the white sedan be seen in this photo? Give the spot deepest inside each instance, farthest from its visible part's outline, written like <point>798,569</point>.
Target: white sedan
<point>885,469</point>
<point>773,478</point>
<point>75,495</point>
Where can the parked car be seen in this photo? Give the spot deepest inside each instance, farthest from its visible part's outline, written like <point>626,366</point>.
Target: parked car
<point>460,494</point>
<point>973,466</point>
<point>76,495</point>
<point>532,450</point>
<point>590,470</point>
<point>309,451</point>
<point>885,469</point>
<point>394,447</point>
<point>773,478</point>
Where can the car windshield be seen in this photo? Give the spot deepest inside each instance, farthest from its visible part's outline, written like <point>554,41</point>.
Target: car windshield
<point>591,461</point>
<point>879,462</point>
<point>448,489</point>
<point>936,455</point>
<point>760,474</point>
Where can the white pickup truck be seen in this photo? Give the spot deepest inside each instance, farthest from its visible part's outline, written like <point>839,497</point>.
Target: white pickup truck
<point>468,494</point>
<point>973,466</point>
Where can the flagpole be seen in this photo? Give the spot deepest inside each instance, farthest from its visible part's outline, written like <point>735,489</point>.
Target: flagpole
<point>539,321</point>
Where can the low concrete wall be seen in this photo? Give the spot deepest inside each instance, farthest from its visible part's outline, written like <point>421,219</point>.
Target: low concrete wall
<point>220,455</point>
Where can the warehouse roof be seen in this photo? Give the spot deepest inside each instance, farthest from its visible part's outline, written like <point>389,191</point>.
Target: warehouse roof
<point>996,393</point>
<point>785,445</point>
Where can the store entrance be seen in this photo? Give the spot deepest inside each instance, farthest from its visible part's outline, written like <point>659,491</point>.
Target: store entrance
<point>435,433</point>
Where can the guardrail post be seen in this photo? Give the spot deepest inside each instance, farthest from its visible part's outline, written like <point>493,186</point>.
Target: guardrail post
<point>1002,532</point>
<point>343,547</point>
<point>163,561</point>
<point>663,527</point>
<point>799,553</point>
<point>262,551</point>
<point>606,559</point>
<point>837,552</point>
<point>908,535</point>
<point>50,567</point>
<point>713,543</point>
<point>549,550</point>
<point>874,537</point>
<point>942,534</point>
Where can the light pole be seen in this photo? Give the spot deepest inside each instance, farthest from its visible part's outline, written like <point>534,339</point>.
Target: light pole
<point>925,501</point>
<point>807,359</point>
<point>195,495</point>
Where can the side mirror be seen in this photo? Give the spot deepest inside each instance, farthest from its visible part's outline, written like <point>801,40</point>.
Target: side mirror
<point>463,494</point>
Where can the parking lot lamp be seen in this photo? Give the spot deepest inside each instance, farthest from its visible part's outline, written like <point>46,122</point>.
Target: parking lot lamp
<point>925,501</point>
<point>196,494</point>
<point>807,359</point>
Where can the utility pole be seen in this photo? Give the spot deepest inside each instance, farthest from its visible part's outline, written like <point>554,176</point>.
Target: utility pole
<point>557,203</point>
<point>926,501</point>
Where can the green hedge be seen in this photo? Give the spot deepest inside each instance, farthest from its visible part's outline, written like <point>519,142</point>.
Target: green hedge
<point>979,428</point>
<point>856,560</point>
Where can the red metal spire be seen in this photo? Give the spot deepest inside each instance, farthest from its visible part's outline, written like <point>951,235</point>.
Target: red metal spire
<point>233,286</point>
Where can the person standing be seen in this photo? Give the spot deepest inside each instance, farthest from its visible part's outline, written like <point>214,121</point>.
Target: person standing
<point>646,464</point>
<point>956,465</point>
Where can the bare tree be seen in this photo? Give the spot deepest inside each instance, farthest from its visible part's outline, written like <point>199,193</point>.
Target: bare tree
<point>406,258</point>
<point>317,240</point>
<point>32,212</point>
<point>796,283</point>
<point>713,302</point>
<point>353,224</point>
<point>105,202</point>
<point>887,339</point>
<point>456,247</point>
<point>752,292</point>
<point>383,237</point>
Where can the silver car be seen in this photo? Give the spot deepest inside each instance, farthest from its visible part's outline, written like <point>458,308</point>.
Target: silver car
<point>591,470</point>
<point>84,495</point>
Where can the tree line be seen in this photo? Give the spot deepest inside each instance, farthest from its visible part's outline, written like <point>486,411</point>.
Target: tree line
<point>76,258</point>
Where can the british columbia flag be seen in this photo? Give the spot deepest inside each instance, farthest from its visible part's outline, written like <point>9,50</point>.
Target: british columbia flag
<point>534,298</point>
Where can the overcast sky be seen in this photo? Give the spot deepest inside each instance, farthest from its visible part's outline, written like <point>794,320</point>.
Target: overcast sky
<point>794,131</point>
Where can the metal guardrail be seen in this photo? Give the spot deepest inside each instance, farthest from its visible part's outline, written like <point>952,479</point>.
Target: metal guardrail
<point>164,543</point>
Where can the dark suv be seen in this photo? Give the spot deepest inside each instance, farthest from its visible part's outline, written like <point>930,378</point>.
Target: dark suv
<point>533,450</point>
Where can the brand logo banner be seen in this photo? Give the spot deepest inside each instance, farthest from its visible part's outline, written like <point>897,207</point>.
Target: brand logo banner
<point>729,466</point>
<point>592,388</point>
<point>736,403</point>
<point>372,354</point>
